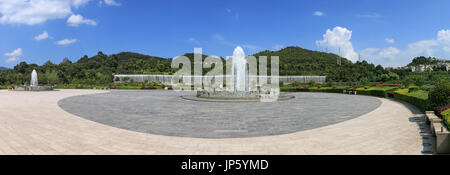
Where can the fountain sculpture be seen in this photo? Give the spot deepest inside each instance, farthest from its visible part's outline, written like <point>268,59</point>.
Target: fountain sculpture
<point>34,86</point>
<point>240,90</point>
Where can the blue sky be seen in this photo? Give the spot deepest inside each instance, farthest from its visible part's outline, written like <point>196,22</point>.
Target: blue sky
<point>384,32</point>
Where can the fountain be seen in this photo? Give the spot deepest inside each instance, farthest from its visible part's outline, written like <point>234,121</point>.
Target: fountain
<point>34,86</point>
<point>240,90</point>
<point>239,70</point>
<point>34,79</point>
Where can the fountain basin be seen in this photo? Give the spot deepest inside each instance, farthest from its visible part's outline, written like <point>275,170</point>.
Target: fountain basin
<point>239,96</point>
<point>37,88</point>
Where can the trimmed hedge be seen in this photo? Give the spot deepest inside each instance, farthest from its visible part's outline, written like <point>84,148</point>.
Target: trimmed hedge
<point>446,117</point>
<point>416,98</point>
<point>376,91</point>
<point>328,89</point>
<point>5,87</point>
<point>78,86</point>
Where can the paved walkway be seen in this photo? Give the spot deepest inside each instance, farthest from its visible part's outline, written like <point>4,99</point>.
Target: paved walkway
<point>33,123</point>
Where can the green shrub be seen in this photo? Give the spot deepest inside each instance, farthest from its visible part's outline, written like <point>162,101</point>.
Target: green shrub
<point>373,92</point>
<point>288,89</point>
<point>419,81</point>
<point>295,84</point>
<point>446,117</point>
<point>417,98</point>
<point>406,82</point>
<point>364,81</point>
<point>440,94</point>
<point>328,89</point>
<point>412,89</point>
<point>330,83</point>
<point>380,91</point>
<point>311,83</point>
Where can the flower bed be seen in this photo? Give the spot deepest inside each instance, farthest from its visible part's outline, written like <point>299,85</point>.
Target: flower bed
<point>441,109</point>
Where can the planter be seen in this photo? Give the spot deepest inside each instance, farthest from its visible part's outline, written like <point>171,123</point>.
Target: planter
<point>442,138</point>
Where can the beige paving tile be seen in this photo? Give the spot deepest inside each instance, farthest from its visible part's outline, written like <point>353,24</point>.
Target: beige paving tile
<point>33,123</point>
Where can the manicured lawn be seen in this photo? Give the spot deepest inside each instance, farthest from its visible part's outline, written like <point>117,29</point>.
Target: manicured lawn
<point>417,94</point>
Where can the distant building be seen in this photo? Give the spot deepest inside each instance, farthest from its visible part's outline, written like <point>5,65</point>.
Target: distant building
<point>430,67</point>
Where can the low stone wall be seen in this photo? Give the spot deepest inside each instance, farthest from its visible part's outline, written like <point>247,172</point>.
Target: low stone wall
<point>439,129</point>
<point>29,88</point>
<point>167,79</point>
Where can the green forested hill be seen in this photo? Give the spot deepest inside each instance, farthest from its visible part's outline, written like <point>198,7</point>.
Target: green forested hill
<point>426,61</point>
<point>299,61</point>
<point>125,56</point>
<point>99,69</point>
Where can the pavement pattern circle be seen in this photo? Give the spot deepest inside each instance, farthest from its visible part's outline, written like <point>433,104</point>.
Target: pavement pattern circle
<point>165,113</point>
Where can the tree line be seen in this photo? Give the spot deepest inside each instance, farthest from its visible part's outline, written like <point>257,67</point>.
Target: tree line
<point>99,69</point>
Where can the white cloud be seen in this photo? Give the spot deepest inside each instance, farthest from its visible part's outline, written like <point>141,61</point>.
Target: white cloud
<point>439,47</point>
<point>318,13</point>
<point>66,42</point>
<point>32,12</point>
<point>444,35</point>
<point>339,39</point>
<point>250,47</point>
<point>76,20</point>
<point>218,37</point>
<point>370,15</point>
<point>194,41</point>
<point>390,52</point>
<point>386,56</point>
<point>112,3</point>
<point>234,15</point>
<point>389,40</point>
<point>14,55</point>
<point>278,47</point>
<point>41,36</point>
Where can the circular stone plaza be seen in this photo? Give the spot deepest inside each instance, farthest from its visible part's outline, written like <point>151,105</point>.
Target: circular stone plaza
<point>161,122</point>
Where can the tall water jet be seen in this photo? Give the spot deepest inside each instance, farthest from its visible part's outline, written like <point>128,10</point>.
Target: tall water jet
<point>33,85</point>
<point>239,70</point>
<point>239,91</point>
<point>34,79</point>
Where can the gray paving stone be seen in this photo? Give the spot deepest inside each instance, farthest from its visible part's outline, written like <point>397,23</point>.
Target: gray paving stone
<point>165,113</point>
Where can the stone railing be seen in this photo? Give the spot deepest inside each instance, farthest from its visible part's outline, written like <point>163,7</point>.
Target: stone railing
<point>440,130</point>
